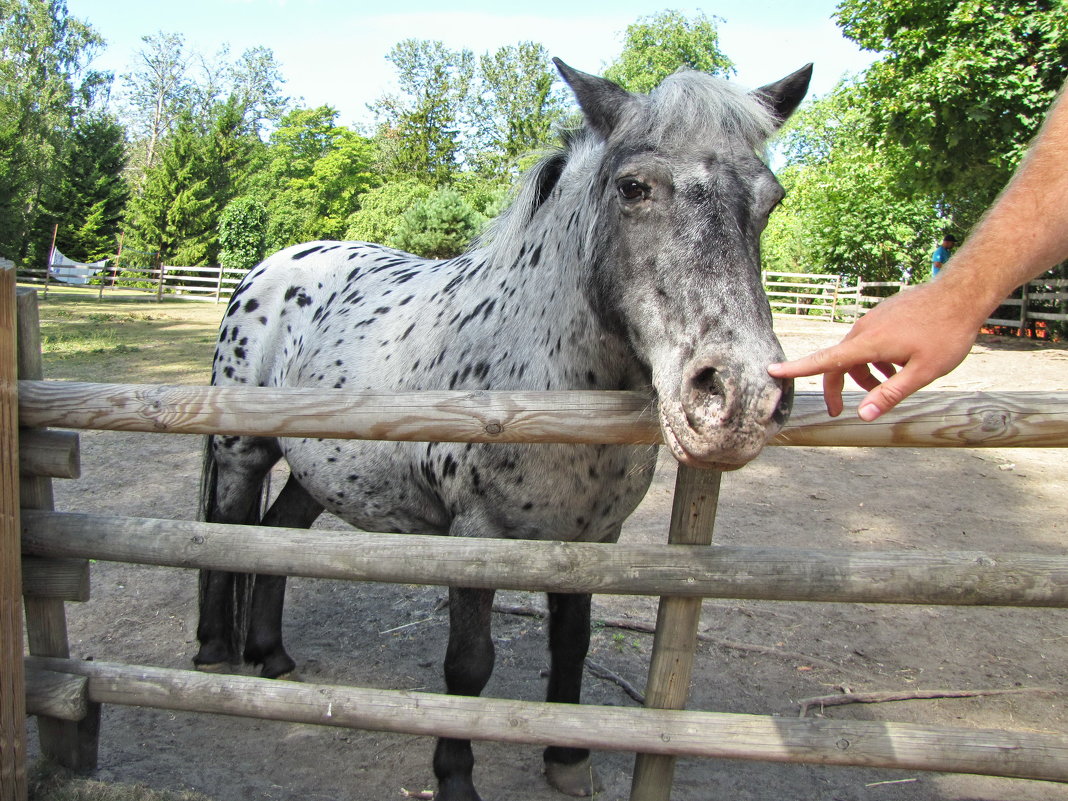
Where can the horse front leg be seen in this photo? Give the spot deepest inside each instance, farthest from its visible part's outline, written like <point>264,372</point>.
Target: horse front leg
<point>468,666</point>
<point>569,770</point>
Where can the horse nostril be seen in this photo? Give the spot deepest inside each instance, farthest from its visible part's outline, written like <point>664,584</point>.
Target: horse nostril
<point>708,382</point>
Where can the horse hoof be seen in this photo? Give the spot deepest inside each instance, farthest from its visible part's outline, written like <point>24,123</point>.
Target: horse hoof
<point>579,779</point>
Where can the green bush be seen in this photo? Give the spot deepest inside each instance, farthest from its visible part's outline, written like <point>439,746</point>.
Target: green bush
<point>242,234</point>
<point>439,227</point>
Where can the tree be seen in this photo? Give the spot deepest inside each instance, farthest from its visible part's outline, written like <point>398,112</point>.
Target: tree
<point>845,210</point>
<point>420,129</point>
<point>158,92</point>
<point>381,208</point>
<point>256,80</point>
<point>89,197</point>
<point>45,84</point>
<point>242,234</point>
<point>439,227</point>
<point>516,108</point>
<point>312,177</point>
<point>961,87</point>
<point>201,169</point>
<point>658,45</point>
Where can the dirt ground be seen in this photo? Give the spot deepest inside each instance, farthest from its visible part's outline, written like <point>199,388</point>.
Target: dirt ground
<point>391,636</point>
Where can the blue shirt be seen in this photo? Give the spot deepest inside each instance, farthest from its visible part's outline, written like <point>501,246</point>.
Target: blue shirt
<point>939,259</point>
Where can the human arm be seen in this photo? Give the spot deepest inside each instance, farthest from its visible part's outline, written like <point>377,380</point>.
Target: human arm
<point>928,330</point>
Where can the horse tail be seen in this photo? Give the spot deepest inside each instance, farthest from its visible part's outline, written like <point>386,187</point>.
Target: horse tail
<point>237,606</point>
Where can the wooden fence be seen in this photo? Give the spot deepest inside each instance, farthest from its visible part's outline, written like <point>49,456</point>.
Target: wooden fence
<point>823,297</point>
<point>817,296</point>
<point>196,283</point>
<point>66,694</point>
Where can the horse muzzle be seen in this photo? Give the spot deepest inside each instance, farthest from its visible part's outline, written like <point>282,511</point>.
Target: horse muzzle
<point>722,417</point>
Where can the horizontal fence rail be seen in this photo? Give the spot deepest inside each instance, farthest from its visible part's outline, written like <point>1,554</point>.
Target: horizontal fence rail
<point>716,571</point>
<point>702,734</point>
<point>926,419</point>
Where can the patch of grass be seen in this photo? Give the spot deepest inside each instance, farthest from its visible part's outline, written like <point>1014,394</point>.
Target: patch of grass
<point>127,340</point>
<point>50,783</point>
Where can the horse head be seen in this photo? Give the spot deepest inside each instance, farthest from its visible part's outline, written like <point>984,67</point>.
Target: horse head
<point>684,195</point>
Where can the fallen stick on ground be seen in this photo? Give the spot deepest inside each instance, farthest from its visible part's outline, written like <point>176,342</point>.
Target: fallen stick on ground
<point>601,672</point>
<point>841,699</point>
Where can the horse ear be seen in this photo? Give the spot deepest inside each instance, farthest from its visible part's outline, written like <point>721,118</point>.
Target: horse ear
<point>784,96</point>
<point>602,102</point>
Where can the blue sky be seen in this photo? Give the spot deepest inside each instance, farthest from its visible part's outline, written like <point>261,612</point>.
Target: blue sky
<point>333,51</point>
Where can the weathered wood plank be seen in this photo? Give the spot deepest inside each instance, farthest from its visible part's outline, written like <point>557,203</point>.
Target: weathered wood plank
<point>926,419</point>
<point>57,579</point>
<point>47,453</point>
<point>58,695</point>
<point>13,785</point>
<point>1028,755</point>
<point>69,743</point>
<point>786,574</point>
<point>693,518</point>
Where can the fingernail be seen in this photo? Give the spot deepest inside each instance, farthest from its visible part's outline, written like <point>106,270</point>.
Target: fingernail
<point>869,412</point>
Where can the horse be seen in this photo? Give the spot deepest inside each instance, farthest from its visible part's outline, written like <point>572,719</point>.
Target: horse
<point>629,259</point>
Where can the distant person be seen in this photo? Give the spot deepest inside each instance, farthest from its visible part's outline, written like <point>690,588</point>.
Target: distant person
<point>942,254</point>
<point>927,330</point>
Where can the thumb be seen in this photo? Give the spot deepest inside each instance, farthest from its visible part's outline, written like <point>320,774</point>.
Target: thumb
<point>890,393</point>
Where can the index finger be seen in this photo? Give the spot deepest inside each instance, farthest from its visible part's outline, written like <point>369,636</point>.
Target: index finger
<point>834,359</point>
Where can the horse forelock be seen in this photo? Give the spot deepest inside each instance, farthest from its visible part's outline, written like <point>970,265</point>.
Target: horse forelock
<point>691,106</point>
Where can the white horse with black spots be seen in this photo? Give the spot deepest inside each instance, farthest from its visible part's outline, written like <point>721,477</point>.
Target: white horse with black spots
<point>630,260</point>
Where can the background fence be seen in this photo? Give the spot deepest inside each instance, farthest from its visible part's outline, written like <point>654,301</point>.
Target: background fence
<point>815,296</point>
<point>67,694</point>
<point>195,283</point>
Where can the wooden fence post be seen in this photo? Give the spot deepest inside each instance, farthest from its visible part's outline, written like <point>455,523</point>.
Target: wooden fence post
<point>159,285</point>
<point>72,744</point>
<point>12,678</point>
<point>693,516</point>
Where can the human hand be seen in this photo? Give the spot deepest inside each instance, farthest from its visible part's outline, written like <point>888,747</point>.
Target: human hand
<point>926,331</point>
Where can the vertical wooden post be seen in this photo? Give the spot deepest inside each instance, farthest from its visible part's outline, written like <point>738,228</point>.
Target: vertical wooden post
<point>693,516</point>
<point>71,744</point>
<point>12,678</point>
<point>218,286</point>
<point>51,255</point>
<point>159,286</point>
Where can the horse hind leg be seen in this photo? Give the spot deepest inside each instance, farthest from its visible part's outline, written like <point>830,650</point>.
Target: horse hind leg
<point>569,770</point>
<point>294,508</point>
<point>232,482</point>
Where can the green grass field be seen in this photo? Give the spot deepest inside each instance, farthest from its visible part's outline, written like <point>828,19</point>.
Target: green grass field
<point>127,340</point>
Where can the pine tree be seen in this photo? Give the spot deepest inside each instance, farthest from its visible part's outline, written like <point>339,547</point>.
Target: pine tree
<point>90,196</point>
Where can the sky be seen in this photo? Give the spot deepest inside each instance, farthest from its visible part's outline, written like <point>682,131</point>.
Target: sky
<point>334,51</point>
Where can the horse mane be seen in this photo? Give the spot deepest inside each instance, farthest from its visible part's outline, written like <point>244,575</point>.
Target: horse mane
<point>505,233</point>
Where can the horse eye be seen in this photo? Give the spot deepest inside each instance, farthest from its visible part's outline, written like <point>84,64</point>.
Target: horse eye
<point>632,190</point>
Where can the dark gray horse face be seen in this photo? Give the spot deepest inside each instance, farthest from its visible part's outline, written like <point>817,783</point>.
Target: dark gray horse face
<point>685,203</point>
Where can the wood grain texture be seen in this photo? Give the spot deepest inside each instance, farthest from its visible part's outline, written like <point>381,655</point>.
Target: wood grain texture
<point>693,518</point>
<point>785,574</point>
<point>927,419</point>
<point>13,785</point>
<point>1017,754</point>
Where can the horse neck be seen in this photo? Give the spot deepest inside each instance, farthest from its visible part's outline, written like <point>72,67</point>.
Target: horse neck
<point>556,306</point>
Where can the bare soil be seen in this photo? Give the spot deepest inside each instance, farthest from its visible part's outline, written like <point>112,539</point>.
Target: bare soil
<point>391,636</point>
